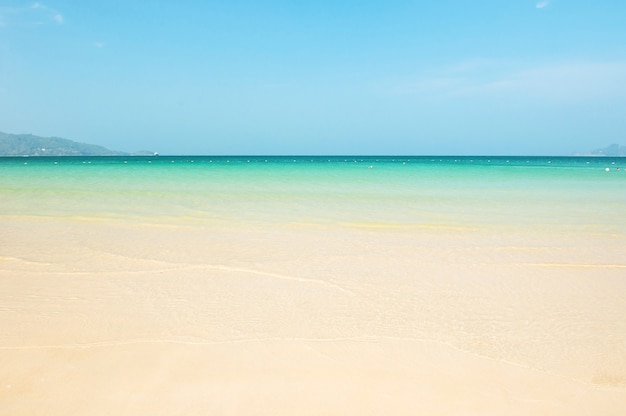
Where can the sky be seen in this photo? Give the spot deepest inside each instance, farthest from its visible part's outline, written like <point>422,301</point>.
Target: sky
<point>531,77</point>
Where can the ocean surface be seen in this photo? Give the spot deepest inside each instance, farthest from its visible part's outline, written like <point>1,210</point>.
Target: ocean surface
<point>583,194</point>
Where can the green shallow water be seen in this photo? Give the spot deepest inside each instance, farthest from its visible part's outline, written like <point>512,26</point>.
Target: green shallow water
<point>470,192</point>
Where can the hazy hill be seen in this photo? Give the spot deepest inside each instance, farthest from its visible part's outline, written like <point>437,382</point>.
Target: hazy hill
<point>30,145</point>
<point>612,150</point>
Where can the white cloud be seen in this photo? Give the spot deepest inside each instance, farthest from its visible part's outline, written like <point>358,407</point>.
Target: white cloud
<point>48,12</point>
<point>573,82</point>
<point>98,45</point>
<point>542,4</point>
<point>564,82</point>
<point>36,14</point>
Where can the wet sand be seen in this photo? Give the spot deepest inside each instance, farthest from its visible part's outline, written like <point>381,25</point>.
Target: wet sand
<point>110,317</point>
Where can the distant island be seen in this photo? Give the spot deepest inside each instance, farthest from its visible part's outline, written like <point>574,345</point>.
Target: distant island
<point>31,145</point>
<point>612,150</point>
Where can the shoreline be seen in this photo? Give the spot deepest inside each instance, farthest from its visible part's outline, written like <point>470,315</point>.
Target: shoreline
<point>230,296</point>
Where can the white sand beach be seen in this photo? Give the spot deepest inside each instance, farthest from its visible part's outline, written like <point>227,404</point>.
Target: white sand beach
<point>109,317</point>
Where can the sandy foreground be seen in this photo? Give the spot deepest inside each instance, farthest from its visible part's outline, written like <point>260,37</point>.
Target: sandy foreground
<point>110,317</point>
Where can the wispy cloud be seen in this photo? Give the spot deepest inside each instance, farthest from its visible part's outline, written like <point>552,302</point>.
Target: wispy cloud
<point>461,78</point>
<point>565,82</point>
<point>98,45</point>
<point>48,12</point>
<point>542,4</point>
<point>573,81</point>
<point>35,14</point>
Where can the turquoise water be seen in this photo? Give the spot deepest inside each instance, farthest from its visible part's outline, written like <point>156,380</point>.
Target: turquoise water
<point>452,191</point>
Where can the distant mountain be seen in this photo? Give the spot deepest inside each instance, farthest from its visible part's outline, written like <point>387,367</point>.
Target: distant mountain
<point>612,150</point>
<point>30,145</point>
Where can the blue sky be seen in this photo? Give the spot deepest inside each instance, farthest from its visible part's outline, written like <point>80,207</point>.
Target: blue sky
<point>324,77</point>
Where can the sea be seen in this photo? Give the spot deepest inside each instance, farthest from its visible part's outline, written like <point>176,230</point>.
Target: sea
<point>515,258</point>
<point>585,194</point>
